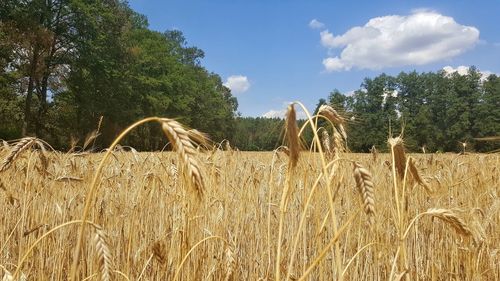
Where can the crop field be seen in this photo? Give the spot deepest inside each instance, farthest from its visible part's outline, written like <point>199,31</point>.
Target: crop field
<point>252,216</point>
<point>148,223</point>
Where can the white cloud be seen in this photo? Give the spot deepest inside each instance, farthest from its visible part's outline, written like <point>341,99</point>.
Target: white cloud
<point>335,63</point>
<point>315,24</point>
<point>464,70</point>
<point>389,41</point>
<point>237,83</point>
<point>350,93</point>
<point>273,113</point>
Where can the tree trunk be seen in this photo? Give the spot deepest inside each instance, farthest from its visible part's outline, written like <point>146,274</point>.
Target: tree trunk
<point>42,107</point>
<point>49,64</point>
<point>29,94</point>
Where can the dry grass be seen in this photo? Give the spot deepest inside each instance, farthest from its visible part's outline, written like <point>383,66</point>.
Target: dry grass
<point>156,227</point>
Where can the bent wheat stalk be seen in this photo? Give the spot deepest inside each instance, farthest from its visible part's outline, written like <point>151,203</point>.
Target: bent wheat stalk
<point>446,215</point>
<point>325,250</point>
<point>178,271</point>
<point>93,186</point>
<point>317,141</point>
<point>30,249</point>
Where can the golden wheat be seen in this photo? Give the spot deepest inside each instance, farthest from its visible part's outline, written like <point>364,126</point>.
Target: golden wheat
<point>156,233</point>
<point>326,141</point>
<point>183,144</point>
<point>398,150</point>
<point>416,175</point>
<point>103,254</point>
<point>452,219</point>
<point>19,147</point>
<point>364,183</point>
<point>292,135</point>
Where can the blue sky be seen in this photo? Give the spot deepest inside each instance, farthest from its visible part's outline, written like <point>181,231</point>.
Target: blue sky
<point>270,53</point>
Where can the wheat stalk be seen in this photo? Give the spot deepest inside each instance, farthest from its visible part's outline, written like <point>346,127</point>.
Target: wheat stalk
<point>18,148</point>
<point>89,138</point>
<point>364,183</point>
<point>374,152</point>
<point>292,135</point>
<point>183,144</point>
<point>103,254</point>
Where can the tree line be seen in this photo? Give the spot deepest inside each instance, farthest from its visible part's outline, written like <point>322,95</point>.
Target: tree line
<point>69,66</point>
<point>435,111</point>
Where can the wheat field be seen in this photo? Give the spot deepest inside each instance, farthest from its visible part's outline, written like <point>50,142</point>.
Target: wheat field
<point>252,216</point>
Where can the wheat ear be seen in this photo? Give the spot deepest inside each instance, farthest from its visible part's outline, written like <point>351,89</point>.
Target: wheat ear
<point>5,145</point>
<point>416,175</point>
<point>326,141</point>
<point>18,148</point>
<point>452,219</point>
<point>374,153</point>
<point>338,143</point>
<point>230,263</point>
<point>332,115</point>
<point>292,135</point>
<point>183,144</point>
<point>364,184</point>
<point>396,145</point>
<point>160,252</point>
<point>103,254</point>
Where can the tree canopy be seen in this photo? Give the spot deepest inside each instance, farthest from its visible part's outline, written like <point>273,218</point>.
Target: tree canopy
<point>66,63</point>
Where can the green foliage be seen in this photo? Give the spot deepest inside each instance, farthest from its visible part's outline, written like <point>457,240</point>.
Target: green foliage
<point>437,111</point>
<point>261,134</point>
<point>87,59</point>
